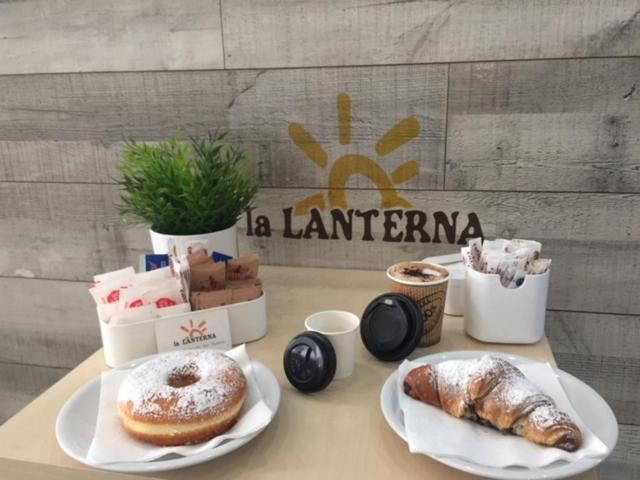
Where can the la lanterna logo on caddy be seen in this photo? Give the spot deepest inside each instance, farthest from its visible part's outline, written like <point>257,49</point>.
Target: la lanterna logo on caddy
<point>195,333</point>
<point>400,221</point>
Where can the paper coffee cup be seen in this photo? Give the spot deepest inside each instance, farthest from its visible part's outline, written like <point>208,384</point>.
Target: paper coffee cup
<point>341,329</point>
<point>427,284</point>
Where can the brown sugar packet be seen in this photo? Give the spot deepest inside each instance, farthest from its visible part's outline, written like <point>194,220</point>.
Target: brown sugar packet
<point>236,284</point>
<point>217,298</point>
<point>199,257</point>
<point>233,284</point>
<point>207,276</point>
<point>243,268</point>
<point>244,294</point>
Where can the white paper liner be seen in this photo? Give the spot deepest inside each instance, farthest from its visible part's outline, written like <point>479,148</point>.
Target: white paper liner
<point>111,443</point>
<point>432,431</point>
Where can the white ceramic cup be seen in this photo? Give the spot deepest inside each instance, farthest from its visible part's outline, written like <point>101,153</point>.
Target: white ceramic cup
<point>341,329</point>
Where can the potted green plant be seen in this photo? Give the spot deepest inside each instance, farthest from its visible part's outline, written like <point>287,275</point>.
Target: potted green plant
<point>190,193</point>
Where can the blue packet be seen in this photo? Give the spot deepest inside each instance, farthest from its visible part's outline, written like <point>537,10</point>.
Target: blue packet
<point>153,261</point>
<point>221,257</point>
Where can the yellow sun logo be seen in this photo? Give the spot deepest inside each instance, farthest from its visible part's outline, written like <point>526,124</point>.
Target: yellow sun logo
<point>191,330</point>
<point>351,164</point>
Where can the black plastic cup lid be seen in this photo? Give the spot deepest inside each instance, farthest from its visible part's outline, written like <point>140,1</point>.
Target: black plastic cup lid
<point>391,326</point>
<point>310,362</point>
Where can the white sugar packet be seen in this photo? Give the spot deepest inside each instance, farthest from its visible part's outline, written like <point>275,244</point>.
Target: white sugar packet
<point>111,443</point>
<point>432,431</point>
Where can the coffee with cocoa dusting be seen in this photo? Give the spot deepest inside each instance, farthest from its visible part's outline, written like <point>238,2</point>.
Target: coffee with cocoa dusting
<point>418,272</point>
<point>426,283</point>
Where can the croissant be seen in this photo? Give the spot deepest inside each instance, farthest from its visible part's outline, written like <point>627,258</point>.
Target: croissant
<point>493,392</point>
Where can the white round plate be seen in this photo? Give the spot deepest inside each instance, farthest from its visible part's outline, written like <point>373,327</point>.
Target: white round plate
<point>77,420</point>
<point>591,407</point>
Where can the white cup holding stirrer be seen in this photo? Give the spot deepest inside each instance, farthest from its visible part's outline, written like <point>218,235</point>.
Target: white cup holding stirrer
<point>341,329</point>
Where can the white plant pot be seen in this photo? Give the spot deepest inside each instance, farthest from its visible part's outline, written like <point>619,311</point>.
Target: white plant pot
<point>222,241</point>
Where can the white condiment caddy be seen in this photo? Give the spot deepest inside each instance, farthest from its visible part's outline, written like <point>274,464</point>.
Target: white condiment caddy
<point>494,313</point>
<point>123,343</point>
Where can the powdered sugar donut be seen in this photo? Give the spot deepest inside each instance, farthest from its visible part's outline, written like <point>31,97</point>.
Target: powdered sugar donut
<point>183,397</point>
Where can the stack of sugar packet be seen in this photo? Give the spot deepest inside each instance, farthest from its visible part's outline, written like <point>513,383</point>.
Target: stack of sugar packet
<point>212,284</point>
<point>512,260</point>
<point>125,297</point>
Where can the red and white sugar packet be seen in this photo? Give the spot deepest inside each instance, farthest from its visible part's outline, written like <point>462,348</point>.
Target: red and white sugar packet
<point>120,292</point>
<point>166,295</point>
<point>108,291</point>
<point>132,298</point>
<point>106,286</point>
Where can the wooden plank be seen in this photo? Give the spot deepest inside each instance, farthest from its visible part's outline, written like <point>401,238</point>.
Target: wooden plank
<point>72,231</point>
<point>83,122</point>
<point>549,125</point>
<point>308,33</point>
<point>624,462</point>
<point>22,383</point>
<point>628,450</point>
<point>112,107</point>
<point>602,350</point>
<point>47,322</point>
<point>546,125</point>
<point>65,161</point>
<point>59,161</point>
<point>617,471</point>
<point>579,333</point>
<point>47,36</point>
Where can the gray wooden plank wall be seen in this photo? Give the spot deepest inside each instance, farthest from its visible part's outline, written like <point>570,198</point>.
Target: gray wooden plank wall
<point>529,115</point>
<point>95,36</point>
